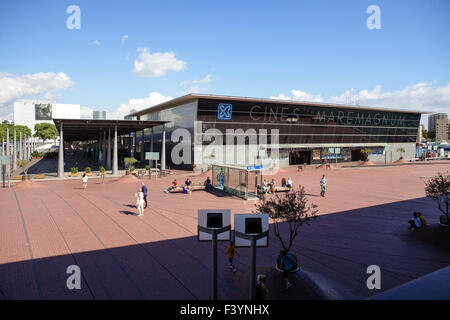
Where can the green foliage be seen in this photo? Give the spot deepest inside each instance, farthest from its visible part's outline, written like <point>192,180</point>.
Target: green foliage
<point>24,165</point>
<point>132,168</point>
<point>129,162</point>
<point>291,208</point>
<point>74,169</point>
<point>88,170</point>
<point>365,152</point>
<point>37,154</point>
<point>438,189</point>
<point>46,131</point>
<point>147,167</point>
<point>102,169</point>
<point>24,129</point>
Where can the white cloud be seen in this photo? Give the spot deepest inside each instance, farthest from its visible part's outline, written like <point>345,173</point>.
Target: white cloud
<point>156,64</point>
<point>422,96</point>
<point>206,79</point>
<point>153,98</point>
<point>14,87</point>
<point>96,42</point>
<point>124,38</point>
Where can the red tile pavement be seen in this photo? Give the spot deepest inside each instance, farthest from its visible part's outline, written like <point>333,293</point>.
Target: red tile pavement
<point>48,225</point>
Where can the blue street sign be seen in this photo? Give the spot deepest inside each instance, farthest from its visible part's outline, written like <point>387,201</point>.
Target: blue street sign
<point>253,168</point>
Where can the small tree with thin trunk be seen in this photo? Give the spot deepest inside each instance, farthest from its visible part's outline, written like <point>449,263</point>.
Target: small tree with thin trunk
<point>24,165</point>
<point>291,208</point>
<point>402,151</point>
<point>438,189</point>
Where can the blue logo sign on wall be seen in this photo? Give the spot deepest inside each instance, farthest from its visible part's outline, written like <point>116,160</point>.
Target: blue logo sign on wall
<point>224,111</point>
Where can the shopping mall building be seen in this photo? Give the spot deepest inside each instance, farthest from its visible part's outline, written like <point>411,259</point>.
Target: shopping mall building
<point>293,131</point>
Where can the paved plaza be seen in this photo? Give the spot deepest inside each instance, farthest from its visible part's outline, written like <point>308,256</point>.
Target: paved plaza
<point>47,226</point>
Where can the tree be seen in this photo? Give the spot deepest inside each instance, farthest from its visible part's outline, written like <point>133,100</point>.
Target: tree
<point>438,189</point>
<point>24,129</point>
<point>291,208</point>
<point>129,162</point>
<point>24,165</point>
<point>46,131</point>
<point>402,151</point>
<point>424,133</point>
<point>365,153</point>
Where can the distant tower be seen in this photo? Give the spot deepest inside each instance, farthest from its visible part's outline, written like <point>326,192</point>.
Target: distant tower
<point>99,115</point>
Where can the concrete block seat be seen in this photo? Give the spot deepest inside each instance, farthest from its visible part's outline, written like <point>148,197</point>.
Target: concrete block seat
<point>193,188</point>
<point>275,189</point>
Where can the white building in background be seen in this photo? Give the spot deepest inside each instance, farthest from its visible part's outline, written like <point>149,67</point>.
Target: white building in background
<point>30,112</point>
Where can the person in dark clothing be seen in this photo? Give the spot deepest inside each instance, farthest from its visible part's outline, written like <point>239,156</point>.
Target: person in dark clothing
<point>208,185</point>
<point>261,288</point>
<point>144,191</point>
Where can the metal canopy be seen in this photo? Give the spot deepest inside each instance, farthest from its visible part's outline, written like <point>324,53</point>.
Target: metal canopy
<point>88,129</point>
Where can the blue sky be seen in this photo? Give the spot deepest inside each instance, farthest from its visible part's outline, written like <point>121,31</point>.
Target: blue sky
<point>306,50</point>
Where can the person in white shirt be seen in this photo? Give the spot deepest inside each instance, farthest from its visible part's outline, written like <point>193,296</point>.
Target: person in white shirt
<point>289,183</point>
<point>323,185</point>
<point>415,222</point>
<point>140,202</point>
<point>85,181</point>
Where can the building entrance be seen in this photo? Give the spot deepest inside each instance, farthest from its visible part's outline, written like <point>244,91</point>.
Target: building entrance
<point>357,155</point>
<point>299,157</point>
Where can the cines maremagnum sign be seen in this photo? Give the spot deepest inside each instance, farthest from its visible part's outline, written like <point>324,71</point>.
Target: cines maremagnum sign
<point>343,117</point>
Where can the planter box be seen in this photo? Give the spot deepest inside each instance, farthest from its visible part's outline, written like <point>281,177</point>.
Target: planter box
<point>88,173</point>
<point>40,176</point>
<point>37,157</point>
<point>74,174</point>
<point>18,178</point>
<point>101,173</point>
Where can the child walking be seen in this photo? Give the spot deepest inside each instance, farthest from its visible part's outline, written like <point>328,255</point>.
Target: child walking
<point>231,251</point>
<point>85,181</point>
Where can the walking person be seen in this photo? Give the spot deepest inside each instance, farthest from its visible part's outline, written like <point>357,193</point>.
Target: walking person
<point>144,191</point>
<point>261,287</point>
<point>84,179</point>
<point>323,185</point>
<point>231,251</point>
<point>287,264</point>
<point>140,202</point>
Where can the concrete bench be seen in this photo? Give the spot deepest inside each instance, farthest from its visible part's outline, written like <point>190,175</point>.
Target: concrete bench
<point>275,189</point>
<point>193,188</point>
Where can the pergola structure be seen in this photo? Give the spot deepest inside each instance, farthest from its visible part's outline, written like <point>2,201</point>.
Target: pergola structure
<point>100,130</point>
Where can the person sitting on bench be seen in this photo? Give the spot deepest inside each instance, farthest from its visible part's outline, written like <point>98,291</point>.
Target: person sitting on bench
<point>283,182</point>
<point>208,185</point>
<point>264,187</point>
<point>289,183</point>
<point>174,185</point>
<point>272,185</point>
<point>187,185</point>
<point>415,222</point>
<point>423,221</point>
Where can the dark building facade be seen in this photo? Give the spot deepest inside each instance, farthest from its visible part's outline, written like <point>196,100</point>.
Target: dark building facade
<point>306,132</point>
